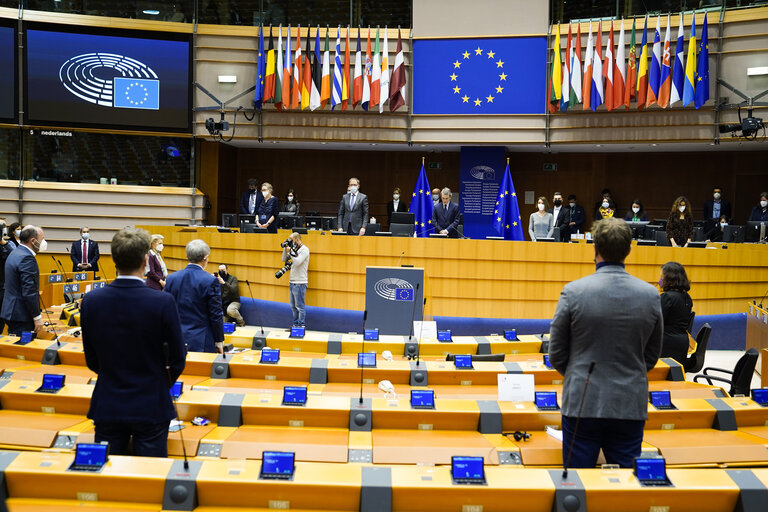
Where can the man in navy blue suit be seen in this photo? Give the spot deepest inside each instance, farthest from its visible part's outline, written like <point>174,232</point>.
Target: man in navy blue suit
<point>21,299</point>
<point>198,297</point>
<point>445,215</point>
<point>252,198</point>
<point>88,247</point>
<point>132,341</point>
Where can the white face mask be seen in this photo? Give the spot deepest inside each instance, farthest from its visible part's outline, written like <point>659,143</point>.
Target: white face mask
<point>763,203</point>
<point>353,189</point>
<point>396,196</point>
<point>541,207</point>
<point>17,233</point>
<point>723,224</point>
<point>264,193</point>
<point>682,208</point>
<point>572,204</point>
<point>85,236</point>
<point>159,247</point>
<point>290,198</point>
<point>435,197</point>
<point>717,195</point>
<point>42,246</point>
<point>606,204</point>
<point>636,209</point>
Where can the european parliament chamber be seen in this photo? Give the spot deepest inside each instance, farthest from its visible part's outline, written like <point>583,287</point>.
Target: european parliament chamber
<point>421,379</point>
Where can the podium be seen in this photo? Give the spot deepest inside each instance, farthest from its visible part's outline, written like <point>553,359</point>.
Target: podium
<point>390,296</point>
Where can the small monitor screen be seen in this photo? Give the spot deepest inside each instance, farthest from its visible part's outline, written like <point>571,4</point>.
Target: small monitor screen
<point>462,361</point>
<point>297,332</point>
<point>277,464</point>
<point>27,336</point>
<point>444,335</point>
<point>53,381</point>
<point>270,355</point>
<point>650,469</point>
<point>546,361</point>
<point>367,359</point>
<point>510,334</point>
<point>470,468</point>
<point>546,399</point>
<point>176,389</point>
<point>371,335</point>
<point>661,398</point>
<point>422,398</point>
<point>760,396</point>
<point>295,395</point>
<point>91,454</point>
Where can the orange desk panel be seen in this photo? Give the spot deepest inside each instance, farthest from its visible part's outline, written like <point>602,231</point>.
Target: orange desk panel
<point>20,395</point>
<point>22,428</point>
<point>690,413</point>
<point>309,444</point>
<point>199,403</point>
<point>344,369</point>
<point>706,446</point>
<point>429,446</point>
<point>328,412</point>
<point>748,413</point>
<point>447,415</point>
<point>42,505</point>
<point>246,366</point>
<point>75,374</point>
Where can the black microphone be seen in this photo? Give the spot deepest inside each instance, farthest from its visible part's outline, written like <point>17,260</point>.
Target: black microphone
<point>258,313</point>
<point>62,267</point>
<point>421,329</point>
<point>55,263</point>
<point>167,354</point>
<point>401,258</point>
<point>50,323</point>
<point>362,350</point>
<point>761,300</point>
<point>578,417</point>
<point>413,314</point>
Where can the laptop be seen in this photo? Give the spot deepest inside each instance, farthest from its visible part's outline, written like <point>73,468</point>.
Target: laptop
<point>467,470</point>
<point>760,395</point>
<point>295,395</point>
<point>371,335</point>
<point>90,457</point>
<point>661,400</point>
<point>546,400</point>
<point>462,362</point>
<point>366,360</point>
<point>444,335</point>
<point>510,334</point>
<point>52,383</point>
<point>545,357</point>
<point>277,466</point>
<point>422,399</point>
<point>651,472</point>
<point>270,356</point>
<point>297,332</point>
<point>177,389</point>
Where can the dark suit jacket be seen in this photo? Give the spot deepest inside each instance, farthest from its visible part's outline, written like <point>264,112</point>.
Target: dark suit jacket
<point>562,220</point>
<point>198,297</point>
<point>124,327</point>
<point>351,220</point>
<point>155,274</point>
<point>758,214</point>
<point>725,208</point>
<point>578,217</point>
<point>247,198</point>
<point>76,254</point>
<point>401,207</point>
<point>448,220</point>
<point>267,209</point>
<point>5,251</point>
<point>21,301</point>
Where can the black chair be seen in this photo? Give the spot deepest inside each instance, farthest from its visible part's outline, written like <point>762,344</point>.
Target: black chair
<point>690,322</point>
<point>741,376</point>
<point>401,229</point>
<point>661,239</point>
<point>694,362</point>
<point>372,229</point>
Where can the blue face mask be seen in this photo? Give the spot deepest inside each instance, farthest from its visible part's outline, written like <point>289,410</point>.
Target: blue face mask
<point>661,282</point>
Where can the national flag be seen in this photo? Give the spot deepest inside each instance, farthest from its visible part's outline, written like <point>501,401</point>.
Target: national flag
<point>345,77</point>
<point>556,74</point>
<point>397,87</point>
<point>269,72</point>
<point>608,70</point>
<point>619,71</point>
<point>421,205</point>
<point>630,85</point>
<point>357,85</point>
<point>384,94</point>
<point>367,74</point>
<point>598,91</point>
<point>565,96</point>
<point>306,77</point>
<point>376,74</point>
<point>642,71</point>
<point>587,82</point>
<point>287,76</point>
<point>506,216</point>
<point>576,69</point>
<point>666,71</point>
<point>279,71</point>
<point>316,73</point>
<point>654,73</point>
<point>298,68</point>
<point>338,81</point>
<point>260,67</point>
<point>689,86</point>
<point>678,71</point>
<point>702,69</point>
<point>325,80</point>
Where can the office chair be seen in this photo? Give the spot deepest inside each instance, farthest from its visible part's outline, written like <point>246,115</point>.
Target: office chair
<point>741,376</point>
<point>694,362</point>
<point>690,322</point>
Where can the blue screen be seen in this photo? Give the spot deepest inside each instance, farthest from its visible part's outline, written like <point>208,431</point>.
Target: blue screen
<point>295,394</point>
<point>661,399</point>
<point>270,355</point>
<point>650,469</point>
<point>366,359</point>
<point>7,77</point>
<point>546,361</point>
<point>422,397</point>
<point>137,82</point>
<point>177,388</point>
<point>443,335</point>
<point>91,454</point>
<point>371,335</point>
<point>462,361</point>
<point>27,336</point>
<point>53,381</point>
<point>545,398</point>
<point>297,332</point>
<point>760,395</point>
<point>510,335</point>
<point>277,463</point>
<point>467,467</point>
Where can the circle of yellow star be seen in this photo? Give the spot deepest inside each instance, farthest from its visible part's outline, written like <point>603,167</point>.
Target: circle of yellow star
<point>478,51</point>
<point>499,63</point>
<point>489,98</point>
<point>499,89</point>
<point>478,102</point>
<point>465,99</point>
<point>457,64</point>
<point>502,76</point>
<point>457,89</point>
<point>453,77</point>
<point>491,54</point>
<point>466,54</point>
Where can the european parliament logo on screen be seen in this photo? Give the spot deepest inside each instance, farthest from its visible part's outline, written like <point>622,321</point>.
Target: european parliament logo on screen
<point>394,289</point>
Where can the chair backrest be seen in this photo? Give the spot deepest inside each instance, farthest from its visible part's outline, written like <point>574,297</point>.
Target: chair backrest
<point>661,239</point>
<point>690,323</point>
<point>742,373</point>
<point>695,362</point>
<point>401,229</point>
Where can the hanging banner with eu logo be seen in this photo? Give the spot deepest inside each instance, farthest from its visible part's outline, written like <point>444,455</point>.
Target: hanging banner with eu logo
<point>480,76</point>
<point>482,168</point>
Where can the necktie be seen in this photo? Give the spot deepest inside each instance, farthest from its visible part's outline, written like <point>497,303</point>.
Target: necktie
<point>445,207</point>
<point>252,203</point>
<point>352,201</point>
<point>85,251</point>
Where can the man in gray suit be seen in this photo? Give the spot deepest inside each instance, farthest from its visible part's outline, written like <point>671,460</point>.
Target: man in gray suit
<point>613,320</point>
<point>353,210</point>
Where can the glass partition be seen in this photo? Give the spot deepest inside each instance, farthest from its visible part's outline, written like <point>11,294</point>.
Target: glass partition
<point>9,153</point>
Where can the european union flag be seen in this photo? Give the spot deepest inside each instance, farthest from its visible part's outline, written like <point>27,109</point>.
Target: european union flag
<point>136,93</point>
<point>261,69</point>
<point>480,76</point>
<point>421,205</point>
<point>405,294</point>
<point>506,218</point>
<point>702,69</point>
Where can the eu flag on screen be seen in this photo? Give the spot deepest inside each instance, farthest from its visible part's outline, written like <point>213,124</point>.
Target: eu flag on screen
<point>421,205</point>
<point>136,93</point>
<point>506,218</point>
<point>405,294</point>
<point>480,76</point>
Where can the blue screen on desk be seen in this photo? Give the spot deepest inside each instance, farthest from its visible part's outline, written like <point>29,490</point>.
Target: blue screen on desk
<point>53,381</point>
<point>545,398</point>
<point>444,335</point>
<point>650,469</point>
<point>297,332</point>
<point>270,355</point>
<point>661,399</point>
<point>760,395</point>
<point>295,394</point>
<point>510,334</point>
<point>366,359</point>
<point>467,467</point>
<point>176,389</point>
<point>371,335</point>
<point>546,361</point>
<point>422,398</point>
<point>91,454</point>
<point>277,463</point>
<point>463,361</point>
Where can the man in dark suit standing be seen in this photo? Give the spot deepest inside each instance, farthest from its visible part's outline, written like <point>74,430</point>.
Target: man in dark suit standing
<point>576,215</point>
<point>560,216</point>
<point>717,207</point>
<point>353,210</point>
<point>445,215</point>
<point>89,248</point>
<point>593,326</point>
<point>252,198</point>
<point>395,205</point>
<point>21,300</point>
<point>198,297</point>
<point>131,333</point>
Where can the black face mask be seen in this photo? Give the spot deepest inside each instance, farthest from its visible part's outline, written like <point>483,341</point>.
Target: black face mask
<point>558,202</point>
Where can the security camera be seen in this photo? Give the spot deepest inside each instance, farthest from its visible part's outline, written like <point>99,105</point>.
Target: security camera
<point>215,128</point>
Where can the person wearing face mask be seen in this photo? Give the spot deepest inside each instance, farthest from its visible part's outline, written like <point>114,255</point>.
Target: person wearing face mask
<point>251,199</point>
<point>435,196</point>
<point>716,207</point>
<point>601,210</point>
<point>353,210</point>
<point>14,230</point>
<point>676,306</point>
<point>395,205</point>
<point>715,234</point>
<point>560,216</point>
<point>541,222</point>
<point>291,204</point>
<point>230,296</point>
<point>85,253</point>
<point>576,214</point>
<point>21,299</point>
<point>157,272</point>
<point>637,213</point>
<point>680,223</point>
<point>268,209</point>
<point>760,213</point>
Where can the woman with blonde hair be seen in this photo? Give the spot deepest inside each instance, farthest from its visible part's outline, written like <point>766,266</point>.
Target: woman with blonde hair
<point>157,271</point>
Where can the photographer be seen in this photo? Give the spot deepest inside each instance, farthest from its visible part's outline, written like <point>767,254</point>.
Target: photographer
<point>297,253</point>
<point>230,295</point>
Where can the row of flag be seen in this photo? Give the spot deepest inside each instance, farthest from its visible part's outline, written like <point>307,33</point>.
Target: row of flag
<point>300,81</point>
<point>613,81</point>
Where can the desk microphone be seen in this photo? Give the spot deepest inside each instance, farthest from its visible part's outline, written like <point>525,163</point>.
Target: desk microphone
<point>362,366</point>
<point>66,277</point>
<point>421,329</point>
<point>761,300</point>
<point>258,313</point>
<point>401,258</point>
<point>413,314</point>
<point>59,267</point>
<point>50,323</point>
<point>167,354</point>
<point>576,425</point>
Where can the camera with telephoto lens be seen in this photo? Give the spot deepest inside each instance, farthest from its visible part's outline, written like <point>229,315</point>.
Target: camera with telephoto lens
<point>287,243</point>
<point>285,269</point>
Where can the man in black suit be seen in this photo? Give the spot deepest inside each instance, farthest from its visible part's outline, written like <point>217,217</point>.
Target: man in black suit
<point>89,248</point>
<point>717,207</point>
<point>249,203</point>
<point>395,205</point>
<point>21,300</point>
<point>131,333</point>
<point>577,216</point>
<point>445,216</point>
<point>560,216</point>
<point>353,210</point>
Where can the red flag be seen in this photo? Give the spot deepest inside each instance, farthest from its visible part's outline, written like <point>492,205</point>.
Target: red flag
<point>345,84</point>
<point>297,68</point>
<point>357,92</point>
<point>608,66</point>
<point>397,84</point>
<point>306,77</point>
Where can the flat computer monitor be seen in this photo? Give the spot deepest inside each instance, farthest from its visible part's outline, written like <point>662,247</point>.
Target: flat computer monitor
<point>252,228</point>
<point>229,220</point>
<point>313,222</point>
<point>401,229</point>
<point>638,228</point>
<point>733,234</point>
<point>247,219</point>
<point>661,222</point>
<point>403,218</point>
<point>756,231</point>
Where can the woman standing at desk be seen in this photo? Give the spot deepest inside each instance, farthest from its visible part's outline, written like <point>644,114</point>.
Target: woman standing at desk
<point>291,204</point>
<point>680,223</point>
<point>676,306</point>
<point>268,210</point>
<point>541,223</point>
<point>157,271</point>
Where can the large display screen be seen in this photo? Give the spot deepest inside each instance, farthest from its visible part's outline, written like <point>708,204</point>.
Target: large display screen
<point>137,81</point>
<point>8,76</point>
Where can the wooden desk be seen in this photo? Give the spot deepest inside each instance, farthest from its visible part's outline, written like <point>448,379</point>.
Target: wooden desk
<point>309,444</point>
<point>707,446</point>
<point>23,428</point>
<point>429,446</point>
